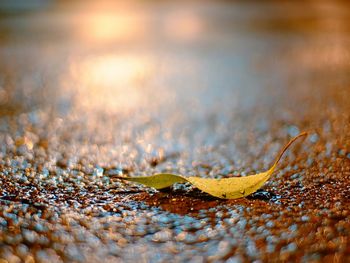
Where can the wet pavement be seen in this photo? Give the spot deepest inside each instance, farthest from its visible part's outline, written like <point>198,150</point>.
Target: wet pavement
<point>212,89</point>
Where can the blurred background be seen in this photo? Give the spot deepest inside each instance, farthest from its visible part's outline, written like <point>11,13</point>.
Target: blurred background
<point>198,69</point>
<point>90,89</point>
<point>123,55</point>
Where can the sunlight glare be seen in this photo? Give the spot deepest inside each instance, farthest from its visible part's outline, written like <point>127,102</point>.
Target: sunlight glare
<point>113,81</point>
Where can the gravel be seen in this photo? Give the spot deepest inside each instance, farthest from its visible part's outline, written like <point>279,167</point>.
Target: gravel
<point>216,97</point>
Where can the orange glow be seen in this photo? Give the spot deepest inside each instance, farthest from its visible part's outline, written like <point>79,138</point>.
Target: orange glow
<point>106,21</point>
<point>104,27</point>
<point>112,70</point>
<point>112,81</point>
<point>184,26</point>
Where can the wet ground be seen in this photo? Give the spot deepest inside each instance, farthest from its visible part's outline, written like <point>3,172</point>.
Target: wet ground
<point>213,89</point>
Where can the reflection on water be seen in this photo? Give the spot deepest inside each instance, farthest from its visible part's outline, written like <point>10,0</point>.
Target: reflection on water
<point>108,26</point>
<point>109,51</point>
<point>116,56</point>
<point>184,25</point>
<point>110,81</point>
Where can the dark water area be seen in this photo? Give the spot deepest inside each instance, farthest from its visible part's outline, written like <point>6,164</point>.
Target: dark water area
<point>90,90</point>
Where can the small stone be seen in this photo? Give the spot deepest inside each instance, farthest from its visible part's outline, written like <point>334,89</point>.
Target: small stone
<point>305,218</point>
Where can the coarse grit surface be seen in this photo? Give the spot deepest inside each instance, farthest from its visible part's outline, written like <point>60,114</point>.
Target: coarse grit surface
<point>212,89</point>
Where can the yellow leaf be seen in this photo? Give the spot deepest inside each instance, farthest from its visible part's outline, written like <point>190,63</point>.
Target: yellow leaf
<point>226,188</point>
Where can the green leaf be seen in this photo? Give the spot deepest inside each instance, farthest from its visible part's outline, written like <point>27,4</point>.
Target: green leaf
<point>226,188</point>
<point>158,181</point>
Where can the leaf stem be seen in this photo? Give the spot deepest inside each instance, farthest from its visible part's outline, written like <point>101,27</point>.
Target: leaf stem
<point>287,146</point>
